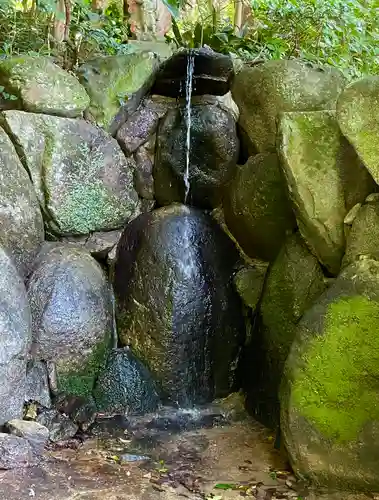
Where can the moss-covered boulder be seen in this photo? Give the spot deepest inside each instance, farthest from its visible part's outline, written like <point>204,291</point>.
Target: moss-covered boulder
<point>176,304</point>
<point>266,90</point>
<point>83,181</point>
<point>72,317</point>
<point>213,154</point>
<point>356,116</point>
<point>293,282</point>
<point>257,209</point>
<point>309,145</point>
<point>43,87</point>
<point>363,237</point>
<point>329,394</point>
<point>112,80</point>
<point>21,229</point>
<point>125,386</point>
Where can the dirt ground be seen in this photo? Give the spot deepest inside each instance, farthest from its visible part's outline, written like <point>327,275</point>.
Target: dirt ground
<point>222,462</point>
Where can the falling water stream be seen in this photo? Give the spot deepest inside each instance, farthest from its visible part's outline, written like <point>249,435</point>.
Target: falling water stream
<point>189,79</point>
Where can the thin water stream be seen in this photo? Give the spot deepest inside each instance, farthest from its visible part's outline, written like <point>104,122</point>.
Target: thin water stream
<point>189,81</point>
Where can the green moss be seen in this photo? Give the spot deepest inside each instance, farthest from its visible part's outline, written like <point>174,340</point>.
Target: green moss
<point>338,388</point>
<point>79,380</point>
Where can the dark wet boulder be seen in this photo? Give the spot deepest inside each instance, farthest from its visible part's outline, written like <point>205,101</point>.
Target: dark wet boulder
<point>71,316</point>
<point>125,385</point>
<point>213,74</point>
<point>60,426</point>
<point>214,148</point>
<point>329,393</point>
<point>176,303</point>
<point>37,384</point>
<point>257,208</point>
<point>15,339</point>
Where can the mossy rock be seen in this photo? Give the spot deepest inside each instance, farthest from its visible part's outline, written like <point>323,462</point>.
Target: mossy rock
<point>112,80</point>
<point>294,281</point>
<point>309,146</point>
<point>43,87</point>
<point>72,316</point>
<point>257,208</point>
<point>266,90</point>
<point>363,238</point>
<point>249,283</point>
<point>83,181</point>
<point>329,393</point>
<point>358,120</point>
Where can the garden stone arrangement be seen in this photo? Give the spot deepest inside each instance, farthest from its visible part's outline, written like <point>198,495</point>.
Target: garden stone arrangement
<point>121,292</point>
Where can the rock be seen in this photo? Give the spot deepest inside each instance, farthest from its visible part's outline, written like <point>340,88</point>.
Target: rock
<point>35,434</point>
<point>60,426</point>
<point>15,452</point>
<point>84,182</point>
<point>213,155</point>
<point>351,214</point>
<point>42,86</point>
<point>15,338</point>
<point>354,113</point>
<point>143,174</point>
<point>37,384</point>
<point>329,414</point>
<point>294,281</point>
<point>212,74</point>
<point>137,130</point>
<point>181,316</point>
<point>112,80</point>
<point>363,238</point>
<point>257,208</point>
<point>264,91</point>
<point>226,102</point>
<point>82,411</point>
<point>309,148</point>
<point>22,230</point>
<point>125,385</point>
<point>72,318</point>
<point>249,283</point>
<point>98,244</point>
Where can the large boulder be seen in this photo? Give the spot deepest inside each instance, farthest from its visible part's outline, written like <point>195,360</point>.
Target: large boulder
<point>176,304</point>
<point>72,318</point>
<point>213,155</point>
<point>293,282</point>
<point>15,339</point>
<point>363,238</point>
<point>125,385</point>
<point>43,87</point>
<point>212,73</point>
<point>356,117</point>
<point>329,410</point>
<point>309,145</point>
<point>83,181</point>
<point>257,208</point>
<point>112,80</point>
<point>22,230</point>
<point>266,90</point>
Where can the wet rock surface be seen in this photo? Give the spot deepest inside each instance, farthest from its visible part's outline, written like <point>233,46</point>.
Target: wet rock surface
<point>60,426</point>
<point>213,74</point>
<point>182,316</point>
<point>37,383</point>
<point>213,155</point>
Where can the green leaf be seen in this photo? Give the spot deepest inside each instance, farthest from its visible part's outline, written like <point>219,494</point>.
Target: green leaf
<point>225,486</point>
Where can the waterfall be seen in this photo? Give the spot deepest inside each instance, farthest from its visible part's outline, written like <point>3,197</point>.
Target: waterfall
<point>190,70</point>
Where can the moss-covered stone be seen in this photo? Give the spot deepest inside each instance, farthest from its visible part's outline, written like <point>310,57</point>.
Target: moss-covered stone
<point>257,209</point>
<point>358,121</point>
<point>249,283</point>
<point>266,90</point>
<point>293,282</point>
<point>42,86</point>
<point>363,238</point>
<point>329,411</point>
<point>112,80</point>
<point>83,181</point>
<point>21,228</point>
<point>309,145</point>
